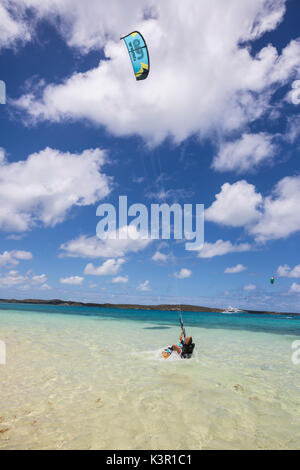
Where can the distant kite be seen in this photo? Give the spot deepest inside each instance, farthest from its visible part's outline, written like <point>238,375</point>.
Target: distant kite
<point>272,280</point>
<point>138,53</point>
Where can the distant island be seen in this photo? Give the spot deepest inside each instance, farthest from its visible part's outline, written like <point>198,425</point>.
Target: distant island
<point>163,307</point>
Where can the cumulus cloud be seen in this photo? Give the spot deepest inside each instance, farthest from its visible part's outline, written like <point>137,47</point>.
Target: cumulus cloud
<point>295,288</point>
<point>205,35</point>
<point>220,248</point>
<point>286,271</point>
<point>13,257</point>
<point>236,205</point>
<point>21,255</point>
<point>245,154</point>
<point>110,267</point>
<point>293,128</point>
<point>274,216</point>
<point>183,273</point>
<point>43,188</point>
<point>12,278</point>
<point>41,279</point>
<point>89,28</point>
<point>81,27</point>
<point>93,247</point>
<point>144,286</point>
<point>13,27</point>
<point>250,287</point>
<point>45,287</point>
<point>15,279</point>
<point>293,96</point>
<point>72,280</point>
<point>280,216</point>
<point>159,257</point>
<point>120,280</point>
<point>235,269</point>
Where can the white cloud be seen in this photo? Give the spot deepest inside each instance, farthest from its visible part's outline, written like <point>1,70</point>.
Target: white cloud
<point>294,95</point>
<point>87,28</point>
<point>14,279</point>
<point>272,217</point>
<point>120,280</point>
<point>236,205</point>
<point>183,273</point>
<point>144,286</point>
<point>280,216</point>
<point>173,194</point>
<point>45,287</point>
<point>235,269</point>
<point>21,255</point>
<point>159,257</point>
<point>138,179</point>
<point>250,287</point>
<point>220,248</point>
<point>107,95</point>
<point>295,288</point>
<point>43,188</point>
<point>41,279</point>
<point>283,271</point>
<point>93,286</point>
<point>93,247</point>
<point>245,154</point>
<point>12,257</point>
<point>110,267</point>
<point>12,25</point>
<point>293,128</point>
<point>72,281</point>
<point>13,236</point>
<point>286,271</point>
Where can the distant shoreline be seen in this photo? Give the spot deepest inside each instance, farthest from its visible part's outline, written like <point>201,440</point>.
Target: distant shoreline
<point>162,307</point>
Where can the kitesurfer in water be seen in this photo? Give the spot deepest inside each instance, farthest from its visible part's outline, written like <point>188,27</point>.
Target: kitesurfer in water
<point>184,348</point>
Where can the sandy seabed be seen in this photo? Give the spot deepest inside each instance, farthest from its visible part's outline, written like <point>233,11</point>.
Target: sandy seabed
<point>75,382</point>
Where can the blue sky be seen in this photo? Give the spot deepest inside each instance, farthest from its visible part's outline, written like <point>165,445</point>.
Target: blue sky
<point>216,122</point>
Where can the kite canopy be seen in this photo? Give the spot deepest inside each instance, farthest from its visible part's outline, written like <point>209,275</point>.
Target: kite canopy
<point>138,54</point>
<point>272,280</point>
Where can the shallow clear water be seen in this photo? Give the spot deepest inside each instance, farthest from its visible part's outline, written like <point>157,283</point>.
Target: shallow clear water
<point>85,378</point>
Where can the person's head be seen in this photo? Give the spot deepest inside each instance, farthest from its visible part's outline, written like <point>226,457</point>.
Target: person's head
<point>188,340</point>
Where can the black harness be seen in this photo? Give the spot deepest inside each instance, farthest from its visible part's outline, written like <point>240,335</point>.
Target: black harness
<point>187,350</point>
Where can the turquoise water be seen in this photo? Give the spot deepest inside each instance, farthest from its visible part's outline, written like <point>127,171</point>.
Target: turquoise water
<point>89,378</point>
<point>277,324</point>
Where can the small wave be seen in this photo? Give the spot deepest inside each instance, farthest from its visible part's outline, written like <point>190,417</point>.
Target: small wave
<point>157,356</point>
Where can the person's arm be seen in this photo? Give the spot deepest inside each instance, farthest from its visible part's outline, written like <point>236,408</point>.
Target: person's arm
<point>176,348</point>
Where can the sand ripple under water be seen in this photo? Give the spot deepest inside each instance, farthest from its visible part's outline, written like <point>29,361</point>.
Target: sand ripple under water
<point>75,382</point>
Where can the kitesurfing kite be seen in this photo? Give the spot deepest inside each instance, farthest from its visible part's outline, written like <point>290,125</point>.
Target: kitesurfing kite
<point>272,280</point>
<point>138,53</point>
